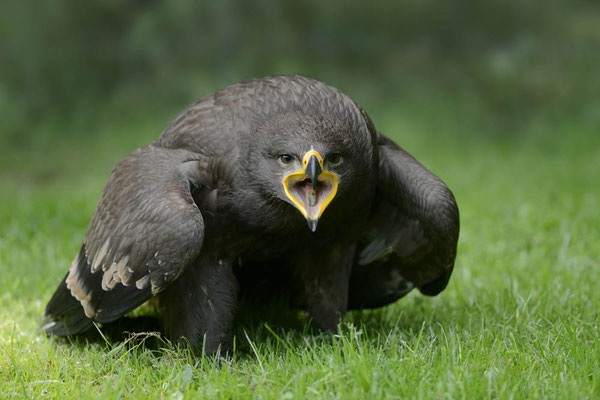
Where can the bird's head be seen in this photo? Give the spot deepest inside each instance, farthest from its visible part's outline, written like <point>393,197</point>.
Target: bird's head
<point>313,163</point>
<point>310,182</point>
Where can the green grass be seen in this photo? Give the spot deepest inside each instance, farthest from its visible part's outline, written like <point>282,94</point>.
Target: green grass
<point>518,320</point>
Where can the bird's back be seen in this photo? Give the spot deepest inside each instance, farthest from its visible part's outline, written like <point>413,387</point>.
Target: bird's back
<point>216,124</point>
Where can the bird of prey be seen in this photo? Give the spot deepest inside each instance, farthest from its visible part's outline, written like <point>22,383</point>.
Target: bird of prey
<point>283,180</point>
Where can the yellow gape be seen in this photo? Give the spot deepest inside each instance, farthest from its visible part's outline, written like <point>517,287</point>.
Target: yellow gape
<point>311,188</point>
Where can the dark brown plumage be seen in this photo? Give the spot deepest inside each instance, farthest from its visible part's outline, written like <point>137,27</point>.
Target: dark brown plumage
<point>221,200</point>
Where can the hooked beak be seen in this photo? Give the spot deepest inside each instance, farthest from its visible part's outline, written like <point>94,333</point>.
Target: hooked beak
<point>313,169</point>
<point>312,188</point>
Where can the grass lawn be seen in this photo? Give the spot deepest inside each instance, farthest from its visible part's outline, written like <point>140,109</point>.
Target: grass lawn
<point>519,318</point>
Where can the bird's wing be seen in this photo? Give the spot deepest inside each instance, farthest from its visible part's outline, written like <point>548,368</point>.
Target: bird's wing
<point>412,235</point>
<point>146,229</point>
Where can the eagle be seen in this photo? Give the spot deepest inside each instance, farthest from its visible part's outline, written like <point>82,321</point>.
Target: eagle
<point>274,185</point>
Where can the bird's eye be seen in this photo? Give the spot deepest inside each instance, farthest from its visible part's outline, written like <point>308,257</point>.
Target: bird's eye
<point>286,159</point>
<point>334,158</point>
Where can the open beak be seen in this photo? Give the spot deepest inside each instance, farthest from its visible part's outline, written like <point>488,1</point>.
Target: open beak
<point>312,188</point>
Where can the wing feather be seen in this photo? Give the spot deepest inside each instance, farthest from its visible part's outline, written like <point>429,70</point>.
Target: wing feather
<point>145,231</point>
<point>412,235</point>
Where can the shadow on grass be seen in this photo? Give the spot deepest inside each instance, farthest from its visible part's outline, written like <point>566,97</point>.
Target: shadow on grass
<point>277,328</point>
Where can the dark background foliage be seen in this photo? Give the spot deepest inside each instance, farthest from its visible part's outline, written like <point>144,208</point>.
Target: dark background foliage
<point>497,63</point>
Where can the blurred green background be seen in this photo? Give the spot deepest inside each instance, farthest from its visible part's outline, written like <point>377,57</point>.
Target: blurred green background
<point>500,98</point>
<point>79,76</point>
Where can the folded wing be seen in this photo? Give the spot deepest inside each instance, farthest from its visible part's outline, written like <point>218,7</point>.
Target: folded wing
<point>412,235</point>
<point>146,229</point>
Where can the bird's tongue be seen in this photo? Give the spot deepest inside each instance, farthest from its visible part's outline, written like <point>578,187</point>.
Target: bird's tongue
<point>311,198</point>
